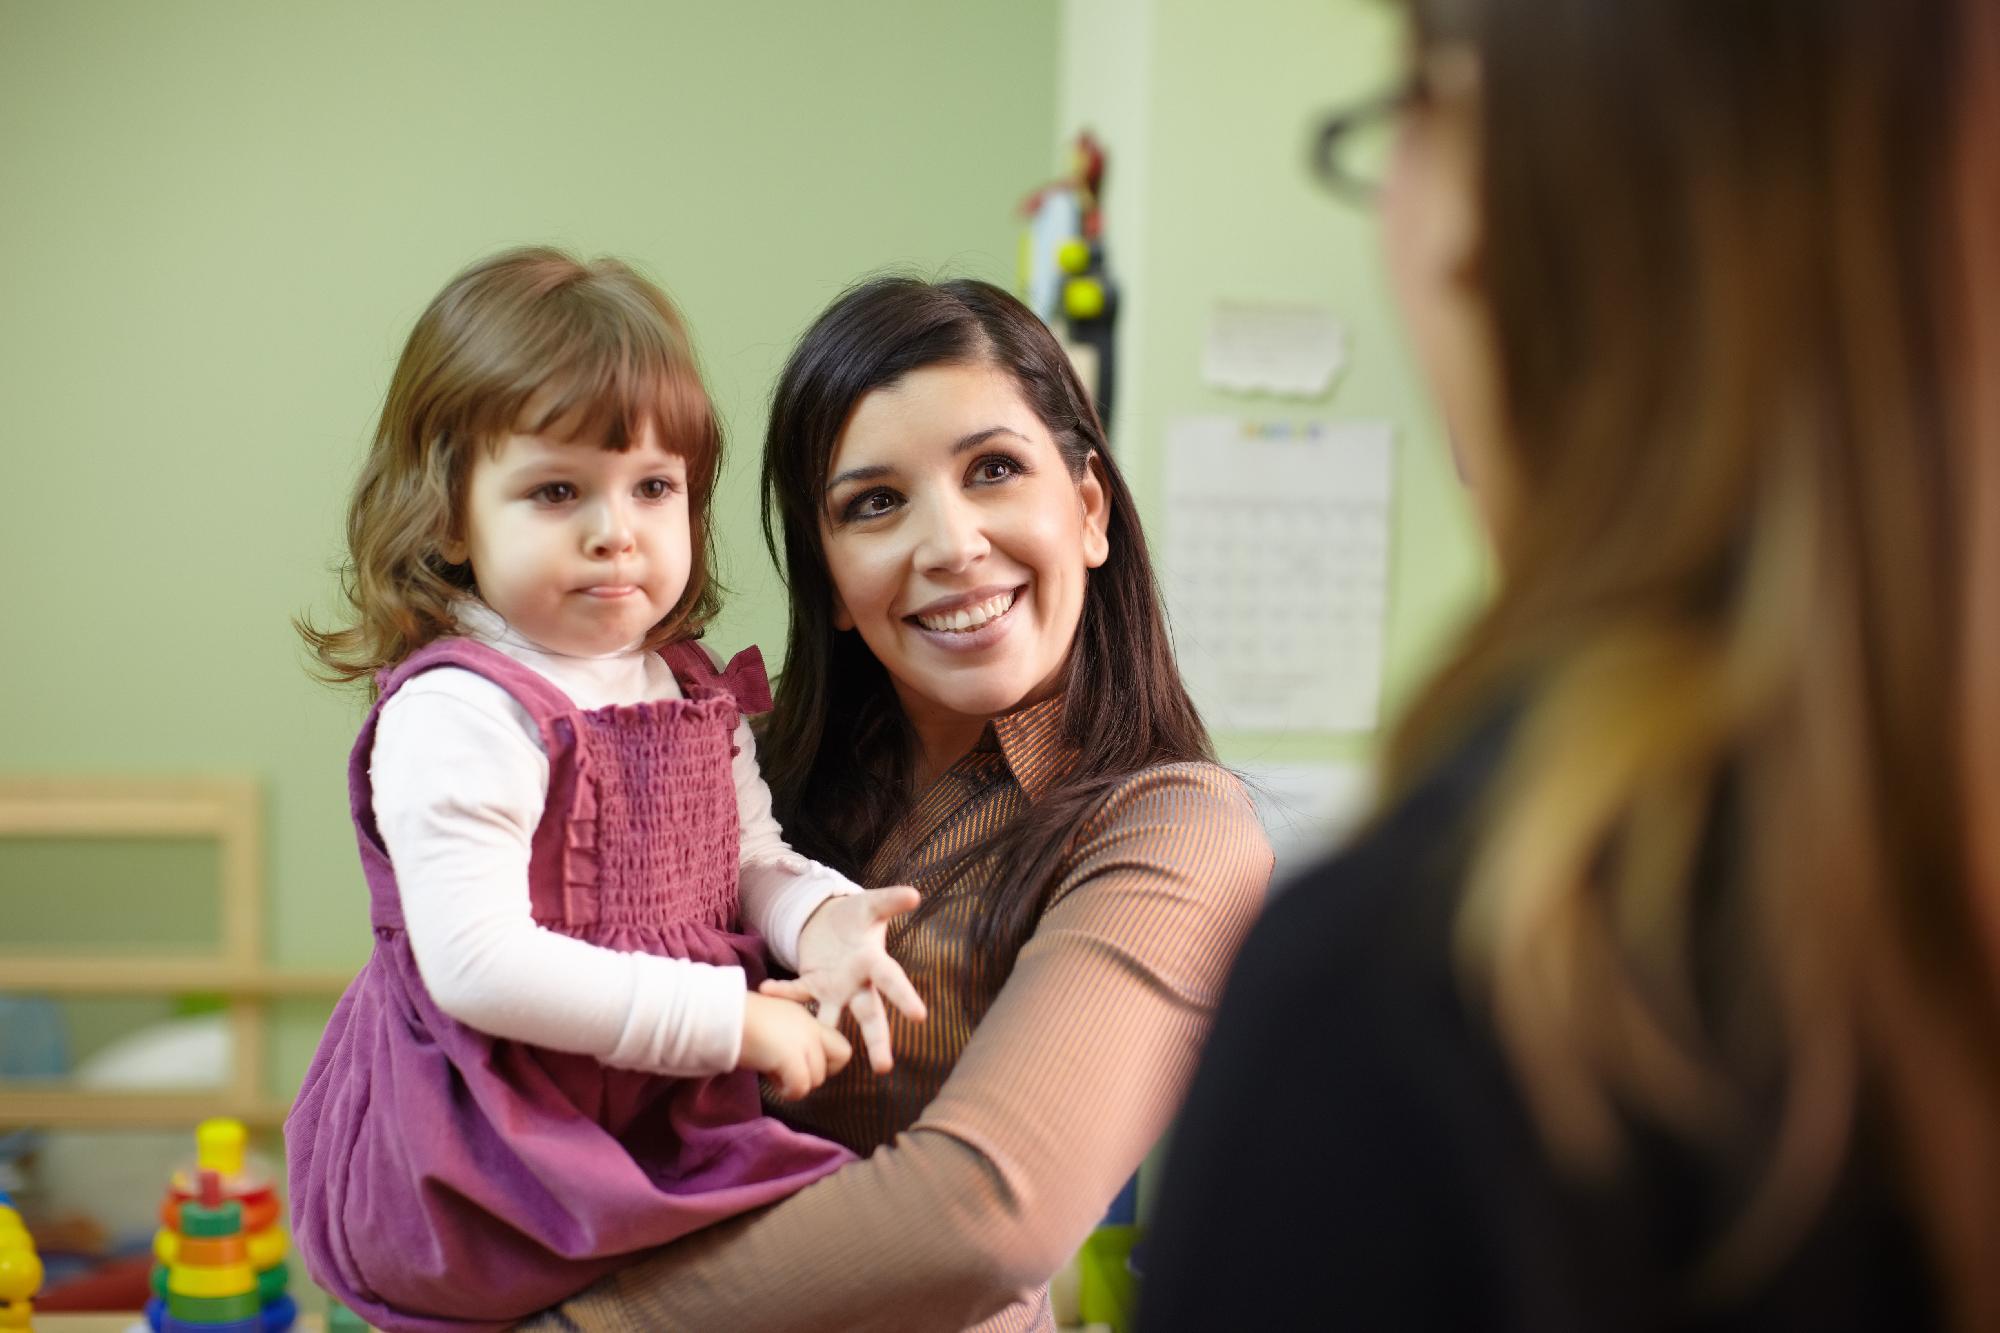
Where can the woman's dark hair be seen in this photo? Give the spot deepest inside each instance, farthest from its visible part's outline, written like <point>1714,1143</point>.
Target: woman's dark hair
<point>837,746</point>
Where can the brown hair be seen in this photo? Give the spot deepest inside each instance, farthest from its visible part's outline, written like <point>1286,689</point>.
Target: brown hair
<point>1979,227</point>
<point>530,340</point>
<point>837,744</point>
<point>1717,255</point>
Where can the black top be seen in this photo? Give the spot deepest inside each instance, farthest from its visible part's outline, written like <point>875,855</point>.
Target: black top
<point>1354,1153</point>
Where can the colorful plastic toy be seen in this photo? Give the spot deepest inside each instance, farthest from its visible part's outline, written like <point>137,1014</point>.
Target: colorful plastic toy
<point>221,1246</point>
<point>20,1269</point>
<point>1063,272</point>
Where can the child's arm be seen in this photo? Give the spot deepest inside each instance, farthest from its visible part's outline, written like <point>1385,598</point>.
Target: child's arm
<point>844,963</point>
<point>778,888</point>
<point>818,922</point>
<point>459,784</point>
<point>789,1047</point>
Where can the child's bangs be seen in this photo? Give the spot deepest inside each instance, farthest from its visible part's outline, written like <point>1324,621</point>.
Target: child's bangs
<point>614,377</point>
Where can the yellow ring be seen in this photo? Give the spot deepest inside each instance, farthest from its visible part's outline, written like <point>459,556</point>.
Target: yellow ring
<point>268,1248</point>
<point>227,1280</point>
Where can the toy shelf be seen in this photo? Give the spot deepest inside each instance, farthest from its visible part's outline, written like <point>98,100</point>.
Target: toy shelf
<point>226,812</point>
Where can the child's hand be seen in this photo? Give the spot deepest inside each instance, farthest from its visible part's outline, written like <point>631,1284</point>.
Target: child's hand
<point>788,1046</point>
<point>844,963</point>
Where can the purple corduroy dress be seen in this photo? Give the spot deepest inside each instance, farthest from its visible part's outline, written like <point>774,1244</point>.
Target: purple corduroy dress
<point>443,1179</point>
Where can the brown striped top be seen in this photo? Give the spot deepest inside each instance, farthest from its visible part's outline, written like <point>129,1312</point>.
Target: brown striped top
<point>1018,1110</point>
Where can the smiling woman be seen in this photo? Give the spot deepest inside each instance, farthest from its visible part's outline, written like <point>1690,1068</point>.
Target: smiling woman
<point>958,550</point>
<point>898,375</point>
<point>979,699</point>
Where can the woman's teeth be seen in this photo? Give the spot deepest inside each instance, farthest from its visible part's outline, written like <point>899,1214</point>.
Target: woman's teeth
<point>967,619</point>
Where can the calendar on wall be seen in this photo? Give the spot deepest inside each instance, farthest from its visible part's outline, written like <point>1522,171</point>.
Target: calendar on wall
<point>1276,569</point>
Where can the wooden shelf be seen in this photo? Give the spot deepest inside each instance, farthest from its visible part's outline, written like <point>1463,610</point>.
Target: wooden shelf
<point>225,811</point>
<point>191,807</point>
<point>59,1106</point>
<point>153,974</point>
<point>123,1323</point>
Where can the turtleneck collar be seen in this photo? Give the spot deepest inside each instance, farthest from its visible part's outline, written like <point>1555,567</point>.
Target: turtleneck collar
<point>624,677</point>
<point>479,621</point>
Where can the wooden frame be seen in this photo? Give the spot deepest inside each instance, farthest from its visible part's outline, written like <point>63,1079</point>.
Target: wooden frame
<point>223,810</point>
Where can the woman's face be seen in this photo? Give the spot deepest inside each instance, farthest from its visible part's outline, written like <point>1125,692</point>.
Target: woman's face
<point>958,544</point>
<point>1431,237</point>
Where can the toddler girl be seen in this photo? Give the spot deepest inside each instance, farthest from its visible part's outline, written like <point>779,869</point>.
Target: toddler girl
<point>556,801</point>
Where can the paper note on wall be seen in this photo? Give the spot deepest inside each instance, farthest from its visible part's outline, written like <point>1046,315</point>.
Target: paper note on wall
<point>1284,349</point>
<point>1276,566</point>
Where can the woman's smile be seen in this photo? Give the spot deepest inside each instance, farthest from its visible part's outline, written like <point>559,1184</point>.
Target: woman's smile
<point>969,622</point>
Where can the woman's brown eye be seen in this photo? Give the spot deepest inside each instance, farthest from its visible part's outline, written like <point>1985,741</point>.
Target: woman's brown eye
<point>871,505</point>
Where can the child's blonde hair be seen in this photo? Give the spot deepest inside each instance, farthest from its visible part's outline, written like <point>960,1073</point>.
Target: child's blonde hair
<point>530,340</point>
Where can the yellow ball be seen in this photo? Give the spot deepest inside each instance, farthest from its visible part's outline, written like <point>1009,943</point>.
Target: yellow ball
<point>1083,298</point>
<point>20,1274</point>
<point>1073,255</point>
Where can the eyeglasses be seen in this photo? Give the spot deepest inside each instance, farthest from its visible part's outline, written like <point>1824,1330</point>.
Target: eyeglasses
<point>1351,152</point>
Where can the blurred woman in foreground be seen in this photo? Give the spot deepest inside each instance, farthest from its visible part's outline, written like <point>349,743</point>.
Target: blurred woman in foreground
<point>1658,995</point>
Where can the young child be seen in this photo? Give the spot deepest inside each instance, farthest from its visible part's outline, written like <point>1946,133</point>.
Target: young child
<point>556,800</point>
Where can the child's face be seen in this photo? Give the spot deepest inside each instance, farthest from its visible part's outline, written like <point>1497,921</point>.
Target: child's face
<point>581,549</point>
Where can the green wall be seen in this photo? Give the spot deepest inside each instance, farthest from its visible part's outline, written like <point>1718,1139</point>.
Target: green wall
<point>217,222</point>
<point>1208,112</point>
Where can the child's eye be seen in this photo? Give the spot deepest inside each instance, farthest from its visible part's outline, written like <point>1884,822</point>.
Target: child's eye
<point>996,467</point>
<point>554,493</point>
<point>869,504</point>
<point>656,488</point>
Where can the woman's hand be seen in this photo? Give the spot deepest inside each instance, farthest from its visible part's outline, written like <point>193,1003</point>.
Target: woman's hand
<point>784,1043</point>
<point>844,963</point>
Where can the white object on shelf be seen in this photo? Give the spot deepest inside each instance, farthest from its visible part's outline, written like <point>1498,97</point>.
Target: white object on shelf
<point>117,1176</point>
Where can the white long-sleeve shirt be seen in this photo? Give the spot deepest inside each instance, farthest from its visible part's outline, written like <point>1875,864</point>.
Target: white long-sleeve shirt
<point>460,779</point>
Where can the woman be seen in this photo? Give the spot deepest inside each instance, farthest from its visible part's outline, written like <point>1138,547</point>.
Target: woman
<point>979,699</point>
<point>1655,996</point>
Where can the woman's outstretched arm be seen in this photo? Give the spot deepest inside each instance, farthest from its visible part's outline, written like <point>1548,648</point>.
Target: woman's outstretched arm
<point>1068,1081</point>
